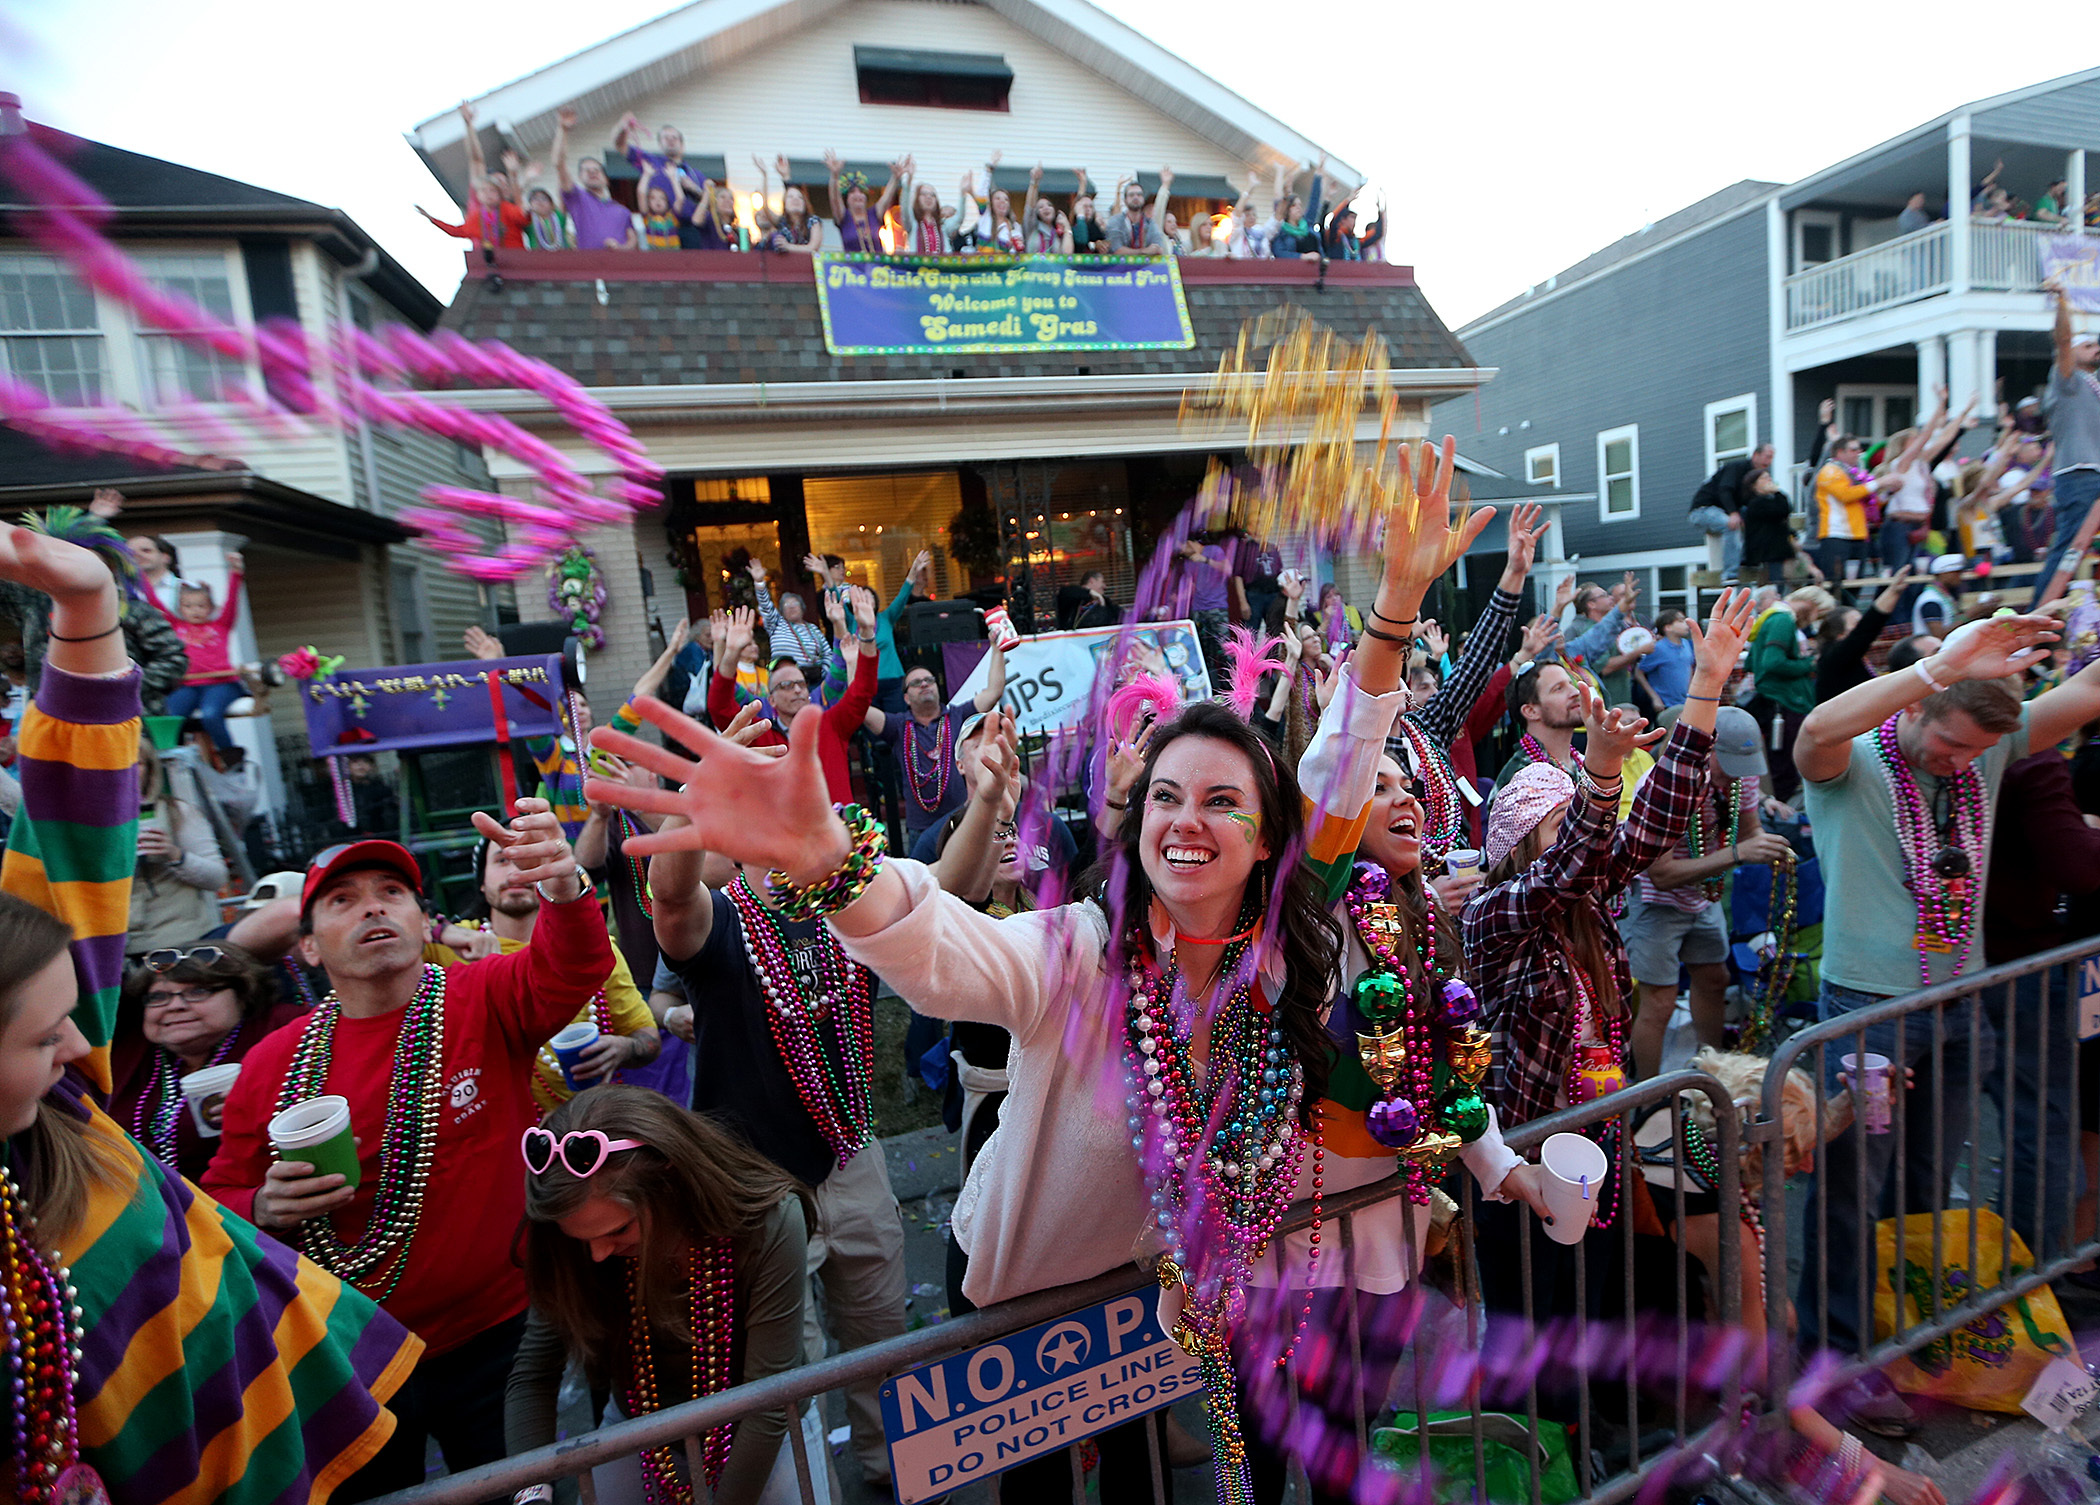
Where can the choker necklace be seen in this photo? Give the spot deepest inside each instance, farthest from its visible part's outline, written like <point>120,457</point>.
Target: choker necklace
<point>375,1261</point>
<point>1939,856</point>
<point>833,1086</point>
<point>40,1316</point>
<point>711,1310</point>
<point>159,1109</point>
<point>1429,1105</point>
<point>1222,1149</point>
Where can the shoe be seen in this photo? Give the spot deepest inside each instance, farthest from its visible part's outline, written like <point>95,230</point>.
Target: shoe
<point>1875,1407</point>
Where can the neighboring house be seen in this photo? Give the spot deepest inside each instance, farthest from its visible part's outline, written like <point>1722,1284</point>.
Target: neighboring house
<point>312,507</point>
<point>1635,373</point>
<point>777,446</point>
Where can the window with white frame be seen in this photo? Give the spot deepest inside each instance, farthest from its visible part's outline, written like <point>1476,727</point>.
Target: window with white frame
<point>1542,465</point>
<point>1731,430</point>
<point>1619,474</point>
<point>173,370</point>
<point>1673,588</point>
<point>49,338</point>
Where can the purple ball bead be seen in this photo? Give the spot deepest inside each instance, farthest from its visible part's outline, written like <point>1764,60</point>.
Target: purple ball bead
<point>1461,1004</point>
<point>1393,1122</point>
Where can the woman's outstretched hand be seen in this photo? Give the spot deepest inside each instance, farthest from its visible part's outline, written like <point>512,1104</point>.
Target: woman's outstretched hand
<point>774,812</point>
<point>1421,541</point>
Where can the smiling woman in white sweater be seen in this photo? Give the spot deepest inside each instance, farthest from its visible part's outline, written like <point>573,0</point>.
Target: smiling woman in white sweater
<point>1170,1052</point>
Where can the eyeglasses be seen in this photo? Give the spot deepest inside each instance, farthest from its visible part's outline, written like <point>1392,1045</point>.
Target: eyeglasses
<point>187,995</point>
<point>541,1150</point>
<point>168,958</point>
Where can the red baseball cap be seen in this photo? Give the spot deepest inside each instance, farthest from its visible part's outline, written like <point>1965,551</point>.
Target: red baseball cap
<point>358,854</point>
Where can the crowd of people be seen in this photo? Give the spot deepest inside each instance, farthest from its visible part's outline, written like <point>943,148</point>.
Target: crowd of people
<point>1388,893</point>
<point>678,206</point>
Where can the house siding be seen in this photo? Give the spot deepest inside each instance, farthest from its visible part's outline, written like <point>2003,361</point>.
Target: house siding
<point>1650,343</point>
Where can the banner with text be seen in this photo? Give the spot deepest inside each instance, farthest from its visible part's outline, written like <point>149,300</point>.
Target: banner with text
<point>416,707</point>
<point>889,305</point>
<point>2074,260</point>
<point>1050,678</point>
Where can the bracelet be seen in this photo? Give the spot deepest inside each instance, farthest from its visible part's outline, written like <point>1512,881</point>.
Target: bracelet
<point>93,637</point>
<point>1926,675</point>
<point>585,892</point>
<point>864,637</point>
<point>832,893</point>
<point>1714,698</point>
<point>1117,804</point>
<point>1385,637</point>
<point>1396,621</point>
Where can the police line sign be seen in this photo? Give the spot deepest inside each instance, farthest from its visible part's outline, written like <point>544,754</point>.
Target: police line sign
<point>1036,1392</point>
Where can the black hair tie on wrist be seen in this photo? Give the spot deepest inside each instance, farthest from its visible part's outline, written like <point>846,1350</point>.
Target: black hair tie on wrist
<point>1384,637</point>
<point>92,637</point>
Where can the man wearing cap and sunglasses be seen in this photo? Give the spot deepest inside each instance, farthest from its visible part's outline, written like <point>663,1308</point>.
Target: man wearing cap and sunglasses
<point>1678,916</point>
<point>436,1064</point>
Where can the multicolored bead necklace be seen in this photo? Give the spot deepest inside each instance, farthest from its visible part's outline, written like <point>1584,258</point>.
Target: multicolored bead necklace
<point>1536,751</point>
<point>1938,865</point>
<point>1594,1071</point>
<point>375,1261</point>
<point>942,757</point>
<point>1441,1109</point>
<point>637,867</point>
<point>1696,836</point>
<point>38,1307</point>
<point>1442,807</point>
<point>833,1085</point>
<point>1223,1149</point>
<point>711,1308</point>
<point>160,1105</point>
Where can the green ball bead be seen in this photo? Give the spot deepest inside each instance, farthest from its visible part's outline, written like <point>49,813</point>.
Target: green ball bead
<point>1465,1115</point>
<point>1379,996</point>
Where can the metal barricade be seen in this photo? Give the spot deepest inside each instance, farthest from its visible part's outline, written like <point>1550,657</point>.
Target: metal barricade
<point>1993,1054</point>
<point>1677,1362</point>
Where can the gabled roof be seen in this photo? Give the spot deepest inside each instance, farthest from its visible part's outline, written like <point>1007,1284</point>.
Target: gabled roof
<point>1715,206</point>
<point>153,195</point>
<point>709,34</point>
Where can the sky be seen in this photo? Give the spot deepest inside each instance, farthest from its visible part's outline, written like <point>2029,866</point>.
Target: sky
<point>1512,140</point>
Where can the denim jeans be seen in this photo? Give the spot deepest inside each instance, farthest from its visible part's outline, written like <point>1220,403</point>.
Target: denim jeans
<point>1714,520</point>
<point>208,704</point>
<point>1895,543</point>
<point>2044,1145</point>
<point>1938,1100</point>
<point>2075,491</point>
<point>1831,554</point>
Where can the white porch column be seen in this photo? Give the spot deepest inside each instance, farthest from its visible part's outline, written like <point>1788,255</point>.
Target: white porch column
<point>1963,372</point>
<point>201,559</point>
<point>2074,174</point>
<point>1986,374</point>
<point>1932,370</point>
<point>1958,181</point>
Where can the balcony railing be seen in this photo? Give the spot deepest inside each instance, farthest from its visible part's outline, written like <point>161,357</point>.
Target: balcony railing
<point>2004,257</point>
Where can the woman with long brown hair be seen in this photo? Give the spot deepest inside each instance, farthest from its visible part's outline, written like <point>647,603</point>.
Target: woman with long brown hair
<point>666,1255</point>
<point>1543,952</point>
<point>111,1266</point>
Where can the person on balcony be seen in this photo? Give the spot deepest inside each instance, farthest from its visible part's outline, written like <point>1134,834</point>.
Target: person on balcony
<point>492,219</point>
<point>602,222</point>
<point>795,230</point>
<point>858,220</point>
<point>2072,406</point>
<point>926,228</point>
<point>2049,208</point>
<point>1045,232</point>
<point>1342,243</point>
<point>1717,506</point>
<point>1842,490</point>
<point>1915,216</point>
<point>1134,232</point>
<point>711,224</point>
<point>1089,235</point>
<point>666,167</point>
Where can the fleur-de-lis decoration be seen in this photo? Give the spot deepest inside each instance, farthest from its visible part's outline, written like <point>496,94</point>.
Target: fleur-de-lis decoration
<point>440,696</point>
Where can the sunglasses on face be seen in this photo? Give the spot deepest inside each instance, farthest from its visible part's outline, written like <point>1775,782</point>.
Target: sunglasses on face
<point>187,995</point>
<point>583,1152</point>
<point>167,958</point>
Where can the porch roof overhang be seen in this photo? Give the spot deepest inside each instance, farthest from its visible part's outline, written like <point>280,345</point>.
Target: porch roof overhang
<point>234,501</point>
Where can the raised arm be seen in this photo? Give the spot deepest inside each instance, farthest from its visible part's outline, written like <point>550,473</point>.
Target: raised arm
<point>1989,649</point>
<point>970,861</point>
<point>564,118</point>
<point>2060,331</point>
<point>1035,187</point>
<point>994,680</point>
<point>681,904</point>
<point>1420,544</point>
<point>477,165</point>
<point>833,167</point>
<point>889,192</point>
<point>1441,715</point>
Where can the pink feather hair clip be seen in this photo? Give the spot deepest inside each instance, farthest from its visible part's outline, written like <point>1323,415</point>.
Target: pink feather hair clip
<point>1250,657</point>
<point>1126,709</point>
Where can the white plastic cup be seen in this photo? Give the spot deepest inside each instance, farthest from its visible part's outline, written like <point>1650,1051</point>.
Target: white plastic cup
<point>317,1132</point>
<point>569,1044</point>
<point>1575,1170</point>
<point>1463,863</point>
<point>1872,1080</point>
<point>200,1087</point>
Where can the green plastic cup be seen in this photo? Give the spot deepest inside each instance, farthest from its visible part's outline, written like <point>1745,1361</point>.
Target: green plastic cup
<point>165,731</point>
<point>317,1131</point>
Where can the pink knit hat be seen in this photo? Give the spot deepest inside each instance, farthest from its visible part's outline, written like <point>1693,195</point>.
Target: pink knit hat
<point>1536,792</point>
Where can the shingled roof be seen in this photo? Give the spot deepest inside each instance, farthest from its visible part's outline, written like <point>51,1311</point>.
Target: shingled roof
<point>667,333</point>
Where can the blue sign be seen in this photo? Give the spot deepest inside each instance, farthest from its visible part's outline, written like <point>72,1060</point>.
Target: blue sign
<point>1036,1392</point>
<point>410,707</point>
<point>2089,998</point>
<point>891,305</point>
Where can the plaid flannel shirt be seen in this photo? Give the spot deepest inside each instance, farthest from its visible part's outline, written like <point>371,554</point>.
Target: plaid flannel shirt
<point>1529,989</point>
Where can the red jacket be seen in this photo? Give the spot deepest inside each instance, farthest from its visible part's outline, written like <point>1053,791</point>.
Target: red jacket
<point>498,1013</point>
<point>842,719</point>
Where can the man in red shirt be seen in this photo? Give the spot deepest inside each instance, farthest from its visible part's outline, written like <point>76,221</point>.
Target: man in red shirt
<point>787,691</point>
<point>427,1231</point>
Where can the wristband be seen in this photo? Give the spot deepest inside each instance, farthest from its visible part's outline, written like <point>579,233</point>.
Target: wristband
<point>1926,675</point>
<point>93,637</point>
<point>1117,804</point>
<point>1714,698</point>
<point>1395,621</point>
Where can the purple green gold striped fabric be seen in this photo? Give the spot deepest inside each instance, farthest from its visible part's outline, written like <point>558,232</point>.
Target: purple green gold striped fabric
<point>217,1365</point>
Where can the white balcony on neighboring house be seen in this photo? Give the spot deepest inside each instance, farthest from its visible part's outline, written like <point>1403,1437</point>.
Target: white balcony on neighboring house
<point>2005,256</point>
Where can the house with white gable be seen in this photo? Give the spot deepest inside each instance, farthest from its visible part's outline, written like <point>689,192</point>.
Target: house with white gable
<point>775,445</point>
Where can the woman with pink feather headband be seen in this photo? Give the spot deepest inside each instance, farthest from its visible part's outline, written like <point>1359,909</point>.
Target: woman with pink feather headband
<point>1169,1051</point>
<point>1547,958</point>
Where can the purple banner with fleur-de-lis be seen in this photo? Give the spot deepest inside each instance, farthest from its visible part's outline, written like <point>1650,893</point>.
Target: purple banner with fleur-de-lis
<point>409,707</point>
